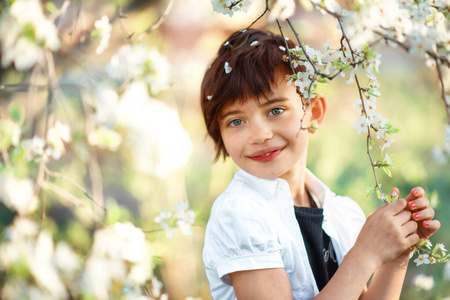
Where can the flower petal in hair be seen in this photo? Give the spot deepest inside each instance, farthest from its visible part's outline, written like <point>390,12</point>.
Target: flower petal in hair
<point>254,43</point>
<point>282,48</point>
<point>227,68</point>
<point>209,97</point>
<point>226,43</point>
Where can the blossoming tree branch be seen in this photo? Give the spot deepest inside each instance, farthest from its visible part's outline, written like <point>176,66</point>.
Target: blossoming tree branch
<point>418,27</point>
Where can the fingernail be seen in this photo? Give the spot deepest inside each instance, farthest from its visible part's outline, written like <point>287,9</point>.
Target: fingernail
<point>426,224</point>
<point>415,192</point>
<point>416,216</point>
<point>412,204</point>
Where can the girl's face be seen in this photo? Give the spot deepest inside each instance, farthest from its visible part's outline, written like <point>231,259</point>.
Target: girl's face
<point>264,136</point>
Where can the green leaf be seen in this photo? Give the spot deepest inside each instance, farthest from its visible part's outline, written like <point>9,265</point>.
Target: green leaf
<point>294,76</point>
<point>15,112</point>
<point>378,193</point>
<point>29,32</point>
<point>393,130</point>
<point>370,190</point>
<point>322,79</point>
<point>50,7</point>
<point>373,92</point>
<point>420,242</point>
<point>314,128</point>
<point>371,143</point>
<point>387,171</point>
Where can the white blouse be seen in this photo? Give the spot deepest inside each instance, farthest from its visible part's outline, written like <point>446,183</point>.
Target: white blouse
<point>253,226</point>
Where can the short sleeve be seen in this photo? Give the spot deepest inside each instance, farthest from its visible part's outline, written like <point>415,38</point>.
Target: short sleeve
<point>348,218</point>
<point>240,236</point>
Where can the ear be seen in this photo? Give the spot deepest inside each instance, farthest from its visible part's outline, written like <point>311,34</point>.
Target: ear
<point>318,108</point>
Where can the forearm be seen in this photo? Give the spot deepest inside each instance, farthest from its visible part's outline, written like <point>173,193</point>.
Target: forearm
<point>388,280</point>
<point>350,279</point>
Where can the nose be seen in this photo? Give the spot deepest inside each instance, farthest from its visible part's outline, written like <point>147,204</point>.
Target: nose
<point>260,131</point>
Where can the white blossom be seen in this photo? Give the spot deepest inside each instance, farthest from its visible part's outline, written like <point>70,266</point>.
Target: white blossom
<point>447,133</point>
<point>422,259</point>
<point>446,271</point>
<point>158,142</point>
<point>386,144</point>
<point>104,28</point>
<point>229,7</point>
<point>281,10</point>
<point>227,68</point>
<point>25,33</point>
<point>105,138</point>
<point>361,124</point>
<point>17,193</point>
<point>141,63</point>
<point>56,137</point>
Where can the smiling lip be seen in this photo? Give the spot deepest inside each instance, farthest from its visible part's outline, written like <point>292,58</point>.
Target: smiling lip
<point>266,155</point>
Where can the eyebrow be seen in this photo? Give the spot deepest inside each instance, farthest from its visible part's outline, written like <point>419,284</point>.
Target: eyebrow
<point>267,103</point>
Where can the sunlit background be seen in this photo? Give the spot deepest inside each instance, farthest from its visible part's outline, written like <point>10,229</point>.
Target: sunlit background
<point>189,38</point>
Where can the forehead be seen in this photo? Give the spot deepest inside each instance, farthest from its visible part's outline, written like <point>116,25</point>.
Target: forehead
<point>278,91</point>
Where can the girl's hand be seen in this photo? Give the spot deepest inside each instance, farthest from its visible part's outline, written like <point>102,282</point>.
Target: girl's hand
<point>387,233</point>
<point>418,205</point>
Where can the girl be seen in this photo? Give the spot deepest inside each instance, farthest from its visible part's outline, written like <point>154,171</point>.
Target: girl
<point>278,232</point>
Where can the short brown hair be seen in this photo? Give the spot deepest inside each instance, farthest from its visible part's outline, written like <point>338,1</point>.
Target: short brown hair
<point>256,58</point>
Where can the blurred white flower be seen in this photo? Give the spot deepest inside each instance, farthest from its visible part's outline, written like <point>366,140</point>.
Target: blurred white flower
<point>24,34</point>
<point>159,144</point>
<point>105,101</point>
<point>56,137</point>
<point>34,148</point>
<point>446,271</point>
<point>140,63</point>
<point>424,282</point>
<point>438,155</point>
<point>281,10</point>
<point>9,134</point>
<point>43,269</point>
<point>98,274</point>
<point>17,194</point>
<point>131,289</point>
<point>156,286</point>
<point>447,133</point>
<point>119,252</point>
<point>105,138</point>
<point>66,260</point>
<point>104,28</point>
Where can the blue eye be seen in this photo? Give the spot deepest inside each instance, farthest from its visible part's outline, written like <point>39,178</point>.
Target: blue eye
<point>275,111</point>
<point>236,122</point>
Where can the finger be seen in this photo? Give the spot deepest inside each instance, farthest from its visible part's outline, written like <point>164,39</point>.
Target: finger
<point>425,214</point>
<point>431,225</point>
<point>403,217</point>
<point>411,240</point>
<point>396,206</point>
<point>409,227</point>
<point>415,193</point>
<point>418,204</point>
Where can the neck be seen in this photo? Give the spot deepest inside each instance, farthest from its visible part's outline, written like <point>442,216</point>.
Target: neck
<point>296,180</point>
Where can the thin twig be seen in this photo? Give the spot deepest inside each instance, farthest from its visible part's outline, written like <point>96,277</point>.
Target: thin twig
<point>405,47</point>
<point>441,79</point>
<point>159,21</point>
<point>122,16</point>
<point>360,90</point>
<point>266,9</point>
